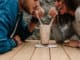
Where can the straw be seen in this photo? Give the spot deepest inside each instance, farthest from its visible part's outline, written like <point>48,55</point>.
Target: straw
<point>53,17</point>
<point>39,18</point>
<point>52,20</point>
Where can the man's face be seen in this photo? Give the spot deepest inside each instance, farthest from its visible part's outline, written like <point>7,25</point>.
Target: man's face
<point>61,7</point>
<point>30,5</point>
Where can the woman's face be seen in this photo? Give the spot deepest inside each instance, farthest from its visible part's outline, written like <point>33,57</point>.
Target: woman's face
<point>61,7</point>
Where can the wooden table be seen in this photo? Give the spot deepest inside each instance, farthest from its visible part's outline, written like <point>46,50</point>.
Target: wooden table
<point>27,51</point>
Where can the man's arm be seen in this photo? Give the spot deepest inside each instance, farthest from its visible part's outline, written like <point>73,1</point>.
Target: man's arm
<point>6,43</point>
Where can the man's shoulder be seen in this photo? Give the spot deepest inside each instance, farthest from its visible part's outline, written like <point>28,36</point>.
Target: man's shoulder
<point>3,2</point>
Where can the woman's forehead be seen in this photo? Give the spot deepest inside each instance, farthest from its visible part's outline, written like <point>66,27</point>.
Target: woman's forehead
<point>58,0</point>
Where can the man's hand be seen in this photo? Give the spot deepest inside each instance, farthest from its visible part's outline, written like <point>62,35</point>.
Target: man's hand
<point>38,12</point>
<point>53,12</point>
<point>17,39</point>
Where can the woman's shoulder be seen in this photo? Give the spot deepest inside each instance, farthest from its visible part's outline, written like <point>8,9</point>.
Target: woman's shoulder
<point>77,13</point>
<point>77,10</point>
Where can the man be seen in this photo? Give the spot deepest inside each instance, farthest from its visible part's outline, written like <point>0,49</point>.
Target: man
<point>12,27</point>
<point>66,7</point>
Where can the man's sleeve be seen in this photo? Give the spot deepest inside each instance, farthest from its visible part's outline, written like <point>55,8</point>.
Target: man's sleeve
<point>6,43</point>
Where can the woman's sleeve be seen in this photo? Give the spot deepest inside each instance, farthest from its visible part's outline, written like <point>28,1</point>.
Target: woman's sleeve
<point>77,21</point>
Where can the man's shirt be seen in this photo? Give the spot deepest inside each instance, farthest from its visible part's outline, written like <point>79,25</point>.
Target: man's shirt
<point>8,14</point>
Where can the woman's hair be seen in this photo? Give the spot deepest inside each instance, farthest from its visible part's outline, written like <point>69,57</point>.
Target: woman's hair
<point>71,4</point>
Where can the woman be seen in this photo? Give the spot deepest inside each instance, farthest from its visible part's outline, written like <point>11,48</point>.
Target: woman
<point>70,7</point>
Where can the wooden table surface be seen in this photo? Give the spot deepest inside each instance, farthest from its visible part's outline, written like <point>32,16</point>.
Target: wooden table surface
<point>27,51</point>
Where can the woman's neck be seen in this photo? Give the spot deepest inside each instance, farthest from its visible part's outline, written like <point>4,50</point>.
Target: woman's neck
<point>72,13</point>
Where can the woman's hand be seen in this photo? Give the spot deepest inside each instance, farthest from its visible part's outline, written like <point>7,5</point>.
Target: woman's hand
<point>53,12</point>
<point>73,43</point>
